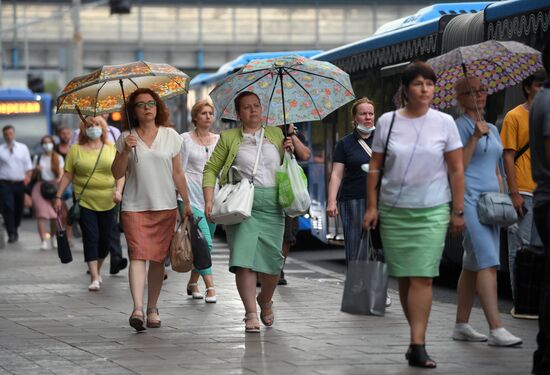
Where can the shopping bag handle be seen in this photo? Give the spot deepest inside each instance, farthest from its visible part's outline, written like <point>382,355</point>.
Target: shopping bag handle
<point>365,236</point>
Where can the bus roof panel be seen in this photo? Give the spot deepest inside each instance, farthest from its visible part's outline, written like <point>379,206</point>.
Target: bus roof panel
<point>424,22</point>
<point>505,9</point>
<point>17,94</point>
<point>230,66</point>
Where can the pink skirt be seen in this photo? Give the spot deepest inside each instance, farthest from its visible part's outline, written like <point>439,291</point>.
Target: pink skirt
<point>148,233</point>
<point>42,208</point>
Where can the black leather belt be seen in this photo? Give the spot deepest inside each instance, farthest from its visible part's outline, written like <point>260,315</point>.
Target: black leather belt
<point>11,181</point>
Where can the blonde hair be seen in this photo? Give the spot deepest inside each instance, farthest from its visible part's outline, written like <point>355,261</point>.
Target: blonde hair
<point>197,107</point>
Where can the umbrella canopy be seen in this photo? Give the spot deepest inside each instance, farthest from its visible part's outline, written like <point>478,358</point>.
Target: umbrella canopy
<point>291,89</point>
<point>498,64</point>
<point>104,90</point>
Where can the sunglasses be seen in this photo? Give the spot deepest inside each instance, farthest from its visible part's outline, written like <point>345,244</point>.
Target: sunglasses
<point>149,104</point>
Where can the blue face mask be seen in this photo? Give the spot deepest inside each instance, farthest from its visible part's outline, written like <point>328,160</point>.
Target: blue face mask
<point>93,132</point>
<point>363,129</point>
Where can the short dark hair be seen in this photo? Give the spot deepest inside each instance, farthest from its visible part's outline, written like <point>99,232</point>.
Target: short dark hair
<point>415,69</point>
<point>546,57</point>
<point>539,76</point>
<point>7,127</point>
<point>238,98</point>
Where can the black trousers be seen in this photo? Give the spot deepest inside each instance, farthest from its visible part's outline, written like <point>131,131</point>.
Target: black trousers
<point>97,228</point>
<point>13,200</point>
<point>541,357</point>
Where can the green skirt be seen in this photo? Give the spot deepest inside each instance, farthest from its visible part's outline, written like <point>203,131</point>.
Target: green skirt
<point>257,242</point>
<point>413,239</point>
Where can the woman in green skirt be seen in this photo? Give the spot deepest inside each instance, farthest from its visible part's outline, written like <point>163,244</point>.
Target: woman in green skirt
<point>255,244</point>
<point>420,152</point>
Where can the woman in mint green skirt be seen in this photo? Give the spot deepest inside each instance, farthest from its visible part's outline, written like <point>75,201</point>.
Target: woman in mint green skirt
<point>255,244</point>
<point>422,191</point>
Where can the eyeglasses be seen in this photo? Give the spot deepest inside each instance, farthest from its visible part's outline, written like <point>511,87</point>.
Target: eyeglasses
<point>481,91</point>
<point>149,104</point>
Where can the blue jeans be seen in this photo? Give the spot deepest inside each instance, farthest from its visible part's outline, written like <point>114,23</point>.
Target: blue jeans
<point>541,357</point>
<point>523,233</point>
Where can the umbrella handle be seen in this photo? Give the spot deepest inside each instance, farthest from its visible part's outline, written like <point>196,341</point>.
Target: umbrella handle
<point>465,71</point>
<point>80,114</point>
<point>126,112</point>
<point>280,73</point>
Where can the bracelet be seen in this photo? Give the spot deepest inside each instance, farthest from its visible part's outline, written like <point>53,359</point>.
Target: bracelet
<point>374,171</point>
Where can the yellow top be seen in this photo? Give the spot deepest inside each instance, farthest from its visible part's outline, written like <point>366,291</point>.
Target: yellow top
<point>80,162</point>
<point>515,135</point>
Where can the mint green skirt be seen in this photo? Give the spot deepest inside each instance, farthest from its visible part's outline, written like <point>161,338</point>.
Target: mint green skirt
<point>413,239</point>
<point>257,242</point>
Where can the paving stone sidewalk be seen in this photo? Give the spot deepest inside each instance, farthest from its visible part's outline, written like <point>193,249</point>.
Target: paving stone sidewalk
<point>51,324</point>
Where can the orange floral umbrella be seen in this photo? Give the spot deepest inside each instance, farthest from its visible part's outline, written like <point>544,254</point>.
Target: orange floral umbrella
<point>104,90</point>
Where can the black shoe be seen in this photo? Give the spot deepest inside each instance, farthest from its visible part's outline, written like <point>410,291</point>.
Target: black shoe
<point>117,266</point>
<point>282,280</point>
<point>418,357</point>
<point>13,238</point>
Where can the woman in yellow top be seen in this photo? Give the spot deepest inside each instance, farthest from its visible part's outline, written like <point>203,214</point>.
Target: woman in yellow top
<point>88,167</point>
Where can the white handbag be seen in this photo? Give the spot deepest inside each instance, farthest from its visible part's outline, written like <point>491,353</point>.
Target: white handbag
<point>233,202</point>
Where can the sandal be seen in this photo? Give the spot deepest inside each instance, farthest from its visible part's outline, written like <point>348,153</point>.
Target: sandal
<point>136,320</point>
<point>251,323</point>
<point>267,319</point>
<point>150,322</point>
<point>418,357</point>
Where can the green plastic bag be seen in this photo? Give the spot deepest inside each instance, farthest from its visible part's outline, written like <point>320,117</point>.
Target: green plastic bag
<point>292,184</point>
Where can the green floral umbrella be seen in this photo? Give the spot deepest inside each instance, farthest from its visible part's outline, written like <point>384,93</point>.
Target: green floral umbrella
<point>291,89</point>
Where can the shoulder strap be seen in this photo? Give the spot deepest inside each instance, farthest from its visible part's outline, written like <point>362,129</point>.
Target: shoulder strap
<point>365,146</point>
<point>521,151</point>
<point>93,170</point>
<point>387,142</point>
<point>258,153</point>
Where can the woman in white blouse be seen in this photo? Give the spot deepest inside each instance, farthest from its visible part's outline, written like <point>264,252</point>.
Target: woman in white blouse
<point>49,164</point>
<point>149,156</point>
<point>198,145</point>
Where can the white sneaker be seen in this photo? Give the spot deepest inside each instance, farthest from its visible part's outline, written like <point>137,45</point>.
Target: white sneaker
<point>465,332</point>
<point>44,245</point>
<point>94,286</point>
<point>501,337</point>
<point>388,300</point>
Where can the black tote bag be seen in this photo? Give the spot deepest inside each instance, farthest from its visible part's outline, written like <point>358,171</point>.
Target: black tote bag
<point>63,248</point>
<point>199,245</point>
<point>366,283</point>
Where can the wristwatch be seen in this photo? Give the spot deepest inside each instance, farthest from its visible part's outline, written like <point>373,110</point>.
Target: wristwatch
<point>459,213</point>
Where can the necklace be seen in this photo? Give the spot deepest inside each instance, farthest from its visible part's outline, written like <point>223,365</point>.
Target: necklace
<point>200,139</point>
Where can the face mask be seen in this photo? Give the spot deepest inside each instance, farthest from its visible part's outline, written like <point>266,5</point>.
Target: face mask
<point>48,147</point>
<point>363,129</point>
<point>93,132</point>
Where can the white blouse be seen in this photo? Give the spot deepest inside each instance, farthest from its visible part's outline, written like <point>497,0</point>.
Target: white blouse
<point>149,183</point>
<point>193,158</point>
<point>270,159</point>
<point>46,172</point>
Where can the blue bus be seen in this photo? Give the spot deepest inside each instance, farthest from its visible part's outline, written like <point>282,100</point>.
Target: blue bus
<point>28,112</point>
<point>375,64</point>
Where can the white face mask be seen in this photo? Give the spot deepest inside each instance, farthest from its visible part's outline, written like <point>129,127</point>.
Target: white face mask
<point>363,129</point>
<point>93,132</point>
<point>48,147</point>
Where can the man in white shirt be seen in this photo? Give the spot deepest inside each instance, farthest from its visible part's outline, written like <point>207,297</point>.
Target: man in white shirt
<point>15,170</point>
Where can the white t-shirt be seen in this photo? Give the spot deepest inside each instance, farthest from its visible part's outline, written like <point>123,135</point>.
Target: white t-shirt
<point>193,158</point>
<point>46,172</point>
<point>415,173</point>
<point>149,183</point>
<point>14,162</point>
